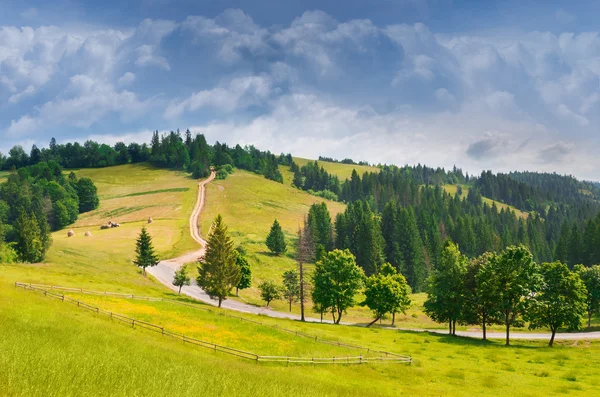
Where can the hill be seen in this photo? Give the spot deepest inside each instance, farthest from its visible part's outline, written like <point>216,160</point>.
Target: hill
<point>341,170</point>
<point>102,350</point>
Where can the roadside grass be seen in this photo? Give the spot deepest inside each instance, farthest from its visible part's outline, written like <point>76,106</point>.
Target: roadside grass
<point>343,171</point>
<point>52,348</point>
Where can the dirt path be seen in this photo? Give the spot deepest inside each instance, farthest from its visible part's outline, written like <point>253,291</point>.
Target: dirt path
<point>165,271</point>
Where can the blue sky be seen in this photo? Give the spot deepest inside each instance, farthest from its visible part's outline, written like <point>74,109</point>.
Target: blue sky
<point>508,85</point>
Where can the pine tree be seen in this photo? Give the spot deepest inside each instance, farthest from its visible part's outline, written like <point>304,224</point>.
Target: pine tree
<point>304,254</point>
<point>276,239</point>
<point>145,256</point>
<point>218,270</point>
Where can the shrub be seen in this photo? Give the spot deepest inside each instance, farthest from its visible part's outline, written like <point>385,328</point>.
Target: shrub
<point>221,174</point>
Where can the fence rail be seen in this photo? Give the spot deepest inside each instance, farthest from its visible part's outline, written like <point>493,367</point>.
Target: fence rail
<point>49,292</point>
<point>316,338</point>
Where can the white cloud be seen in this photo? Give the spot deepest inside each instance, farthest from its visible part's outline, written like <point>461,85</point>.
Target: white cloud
<point>146,57</point>
<point>86,102</point>
<point>127,79</point>
<point>29,91</point>
<point>240,92</point>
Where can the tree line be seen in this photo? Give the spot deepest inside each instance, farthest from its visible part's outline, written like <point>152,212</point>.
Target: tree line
<point>509,288</point>
<point>170,150</point>
<point>36,200</point>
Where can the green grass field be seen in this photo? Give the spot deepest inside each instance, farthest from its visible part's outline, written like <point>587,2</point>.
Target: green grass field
<point>343,171</point>
<point>51,348</point>
<point>452,189</point>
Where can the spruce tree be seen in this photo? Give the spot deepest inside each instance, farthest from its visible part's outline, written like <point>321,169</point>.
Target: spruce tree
<point>145,256</point>
<point>218,270</point>
<point>276,239</point>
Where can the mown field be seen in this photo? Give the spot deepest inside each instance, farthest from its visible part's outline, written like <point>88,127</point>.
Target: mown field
<point>51,348</point>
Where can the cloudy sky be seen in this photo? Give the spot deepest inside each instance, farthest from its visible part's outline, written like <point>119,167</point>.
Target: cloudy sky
<point>507,85</point>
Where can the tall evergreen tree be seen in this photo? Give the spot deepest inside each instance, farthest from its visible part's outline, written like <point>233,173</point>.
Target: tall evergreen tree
<point>218,270</point>
<point>29,244</point>
<point>276,239</point>
<point>145,256</point>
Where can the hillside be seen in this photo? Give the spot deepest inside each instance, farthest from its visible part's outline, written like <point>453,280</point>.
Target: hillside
<point>249,204</point>
<point>452,189</point>
<point>103,350</point>
<point>341,170</point>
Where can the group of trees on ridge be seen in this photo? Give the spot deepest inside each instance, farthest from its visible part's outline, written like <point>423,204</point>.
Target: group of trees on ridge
<point>170,150</point>
<point>36,200</point>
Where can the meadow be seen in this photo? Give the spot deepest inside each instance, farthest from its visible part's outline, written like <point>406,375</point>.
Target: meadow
<point>51,348</point>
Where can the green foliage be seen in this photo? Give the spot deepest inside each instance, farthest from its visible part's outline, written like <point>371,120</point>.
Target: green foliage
<point>245,271</point>
<point>447,295</point>
<point>386,292</point>
<point>218,270</point>
<point>30,244</point>
<point>336,280</point>
<point>514,281</point>
<point>591,279</point>
<point>269,291</point>
<point>276,239</point>
<point>481,305</point>
<point>181,278</point>
<point>291,286</point>
<point>144,250</point>
<point>88,195</point>
<point>221,174</point>
<point>561,300</point>
<point>319,222</point>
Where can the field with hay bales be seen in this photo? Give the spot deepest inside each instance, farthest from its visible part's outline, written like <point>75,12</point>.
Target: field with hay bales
<point>52,347</point>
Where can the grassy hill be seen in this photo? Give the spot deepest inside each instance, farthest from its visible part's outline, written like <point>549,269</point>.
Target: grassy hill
<point>343,171</point>
<point>51,348</point>
<point>452,189</point>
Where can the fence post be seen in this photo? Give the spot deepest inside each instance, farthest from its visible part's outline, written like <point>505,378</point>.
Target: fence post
<point>133,323</point>
<point>361,358</point>
<point>162,330</point>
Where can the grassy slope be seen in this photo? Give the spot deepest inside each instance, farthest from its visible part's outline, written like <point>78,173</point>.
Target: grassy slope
<point>343,171</point>
<point>95,355</point>
<point>452,189</point>
<point>249,203</point>
<point>99,357</point>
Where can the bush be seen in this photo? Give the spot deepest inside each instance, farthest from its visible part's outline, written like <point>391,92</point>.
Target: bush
<point>7,254</point>
<point>221,174</point>
<point>326,194</point>
<point>228,168</point>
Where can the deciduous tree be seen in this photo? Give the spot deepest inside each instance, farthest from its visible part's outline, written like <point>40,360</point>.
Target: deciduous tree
<point>559,302</point>
<point>591,279</point>
<point>181,278</point>
<point>291,286</point>
<point>269,291</point>
<point>336,280</point>
<point>245,272</point>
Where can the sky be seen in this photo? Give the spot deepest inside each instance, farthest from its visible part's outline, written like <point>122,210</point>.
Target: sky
<point>500,85</point>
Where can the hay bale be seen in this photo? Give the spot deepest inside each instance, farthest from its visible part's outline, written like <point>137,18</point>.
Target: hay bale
<point>70,233</point>
<point>88,234</point>
<point>150,220</point>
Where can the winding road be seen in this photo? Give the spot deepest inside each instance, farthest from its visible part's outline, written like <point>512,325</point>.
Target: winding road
<point>165,271</point>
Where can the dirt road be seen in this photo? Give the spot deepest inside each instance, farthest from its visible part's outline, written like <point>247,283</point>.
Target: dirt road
<point>165,270</point>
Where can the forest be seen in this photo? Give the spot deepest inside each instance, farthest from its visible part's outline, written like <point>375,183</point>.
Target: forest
<point>36,200</point>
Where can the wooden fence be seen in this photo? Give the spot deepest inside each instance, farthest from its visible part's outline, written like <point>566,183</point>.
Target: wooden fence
<point>49,291</point>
